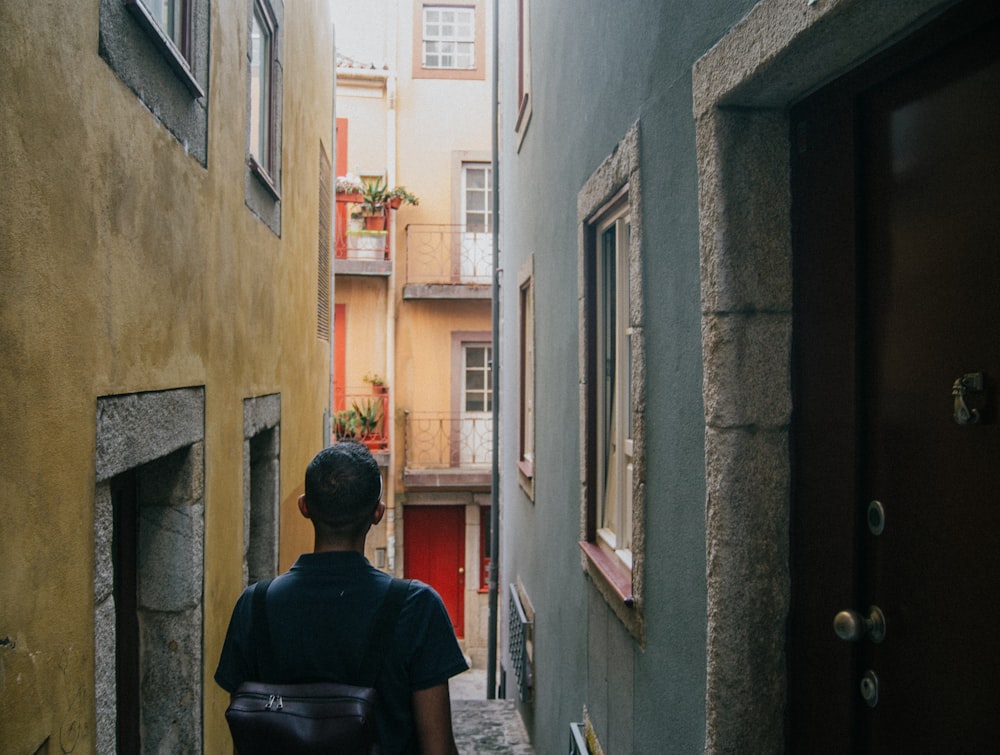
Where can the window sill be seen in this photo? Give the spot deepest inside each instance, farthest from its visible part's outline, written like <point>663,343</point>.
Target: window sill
<point>264,177</point>
<point>527,468</point>
<point>614,573</point>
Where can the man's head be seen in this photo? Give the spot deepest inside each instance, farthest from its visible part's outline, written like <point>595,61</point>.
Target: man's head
<point>343,490</point>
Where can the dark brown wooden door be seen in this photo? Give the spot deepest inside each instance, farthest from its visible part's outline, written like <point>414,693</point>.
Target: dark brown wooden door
<point>897,187</point>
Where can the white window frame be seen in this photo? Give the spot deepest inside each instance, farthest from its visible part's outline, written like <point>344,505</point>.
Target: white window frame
<point>452,51</point>
<point>614,389</point>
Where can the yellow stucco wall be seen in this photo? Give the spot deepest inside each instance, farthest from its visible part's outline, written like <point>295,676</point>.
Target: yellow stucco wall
<point>127,266</point>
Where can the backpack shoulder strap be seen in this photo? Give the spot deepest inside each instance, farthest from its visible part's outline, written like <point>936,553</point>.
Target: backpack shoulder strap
<point>260,632</point>
<point>383,629</point>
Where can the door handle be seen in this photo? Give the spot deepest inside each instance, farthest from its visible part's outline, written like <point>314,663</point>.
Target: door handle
<point>969,383</point>
<point>851,626</point>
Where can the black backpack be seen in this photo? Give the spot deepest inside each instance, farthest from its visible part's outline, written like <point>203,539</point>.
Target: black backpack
<point>318,717</point>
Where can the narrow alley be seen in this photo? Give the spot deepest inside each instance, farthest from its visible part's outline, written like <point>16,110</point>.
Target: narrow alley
<point>485,726</point>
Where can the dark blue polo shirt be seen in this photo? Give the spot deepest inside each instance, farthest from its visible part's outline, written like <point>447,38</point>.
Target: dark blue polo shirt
<point>320,614</point>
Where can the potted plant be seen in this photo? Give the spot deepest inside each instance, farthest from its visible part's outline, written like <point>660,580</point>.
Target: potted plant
<point>399,195</point>
<point>378,384</point>
<point>374,204</point>
<point>369,416</point>
<point>346,425</point>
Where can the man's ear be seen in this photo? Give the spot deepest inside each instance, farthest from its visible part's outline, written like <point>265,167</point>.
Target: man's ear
<point>379,513</point>
<point>303,508</point>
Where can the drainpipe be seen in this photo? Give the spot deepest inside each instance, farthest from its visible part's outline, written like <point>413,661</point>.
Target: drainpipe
<point>390,305</point>
<point>328,415</point>
<point>491,644</point>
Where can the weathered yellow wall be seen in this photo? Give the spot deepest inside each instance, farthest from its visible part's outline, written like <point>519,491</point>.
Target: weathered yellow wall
<point>126,266</point>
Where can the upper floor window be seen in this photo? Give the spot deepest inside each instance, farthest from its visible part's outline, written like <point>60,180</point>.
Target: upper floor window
<point>526,378</point>
<point>262,180</point>
<point>159,50</point>
<point>523,69</point>
<point>611,433</point>
<point>169,25</point>
<point>449,39</point>
<point>261,71</point>
<point>477,196</point>
<point>614,390</point>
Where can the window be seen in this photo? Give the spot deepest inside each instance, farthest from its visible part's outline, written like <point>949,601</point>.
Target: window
<point>477,222</point>
<point>261,73</point>
<point>159,50</point>
<point>611,373</point>
<point>472,386</point>
<point>449,39</point>
<point>526,378</point>
<point>264,94</point>
<point>614,358</point>
<point>523,70</point>
<point>168,24</point>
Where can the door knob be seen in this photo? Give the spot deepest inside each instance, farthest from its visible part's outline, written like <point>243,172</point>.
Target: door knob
<point>851,626</point>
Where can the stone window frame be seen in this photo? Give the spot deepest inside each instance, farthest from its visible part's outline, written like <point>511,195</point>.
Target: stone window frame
<point>262,183</point>
<point>616,180</point>
<point>158,437</point>
<point>741,106</point>
<point>478,71</point>
<point>173,85</point>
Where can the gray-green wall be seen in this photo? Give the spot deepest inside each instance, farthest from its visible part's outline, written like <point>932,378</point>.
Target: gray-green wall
<point>596,69</point>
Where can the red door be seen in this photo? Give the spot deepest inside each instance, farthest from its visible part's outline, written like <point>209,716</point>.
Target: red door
<point>896,503</point>
<point>434,552</point>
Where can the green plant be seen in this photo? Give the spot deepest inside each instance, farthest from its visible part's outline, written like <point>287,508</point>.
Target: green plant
<point>403,195</point>
<point>374,198</point>
<point>369,414</point>
<point>346,424</point>
<point>374,378</point>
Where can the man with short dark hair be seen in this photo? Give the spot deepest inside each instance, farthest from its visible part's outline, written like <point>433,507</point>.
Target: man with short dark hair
<point>321,612</point>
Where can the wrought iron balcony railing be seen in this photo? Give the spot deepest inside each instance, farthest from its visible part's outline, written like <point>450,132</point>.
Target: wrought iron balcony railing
<point>439,254</point>
<point>443,448</point>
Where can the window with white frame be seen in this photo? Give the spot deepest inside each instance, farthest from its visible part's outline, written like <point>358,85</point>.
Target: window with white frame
<point>449,39</point>
<point>611,373</point>
<point>477,222</point>
<point>614,391</point>
<point>476,415</point>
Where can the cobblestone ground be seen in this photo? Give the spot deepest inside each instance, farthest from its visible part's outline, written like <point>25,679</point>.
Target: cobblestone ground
<point>485,726</point>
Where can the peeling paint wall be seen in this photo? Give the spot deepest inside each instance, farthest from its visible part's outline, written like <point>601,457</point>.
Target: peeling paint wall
<point>131,263</point>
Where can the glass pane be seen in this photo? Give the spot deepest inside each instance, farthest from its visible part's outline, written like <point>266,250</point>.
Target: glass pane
<point>475,178</point>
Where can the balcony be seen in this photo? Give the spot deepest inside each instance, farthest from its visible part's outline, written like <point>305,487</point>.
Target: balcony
<point>444,450</point>
<point>448,262</point>
<point>361,417</point>
<point>357,251</point>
